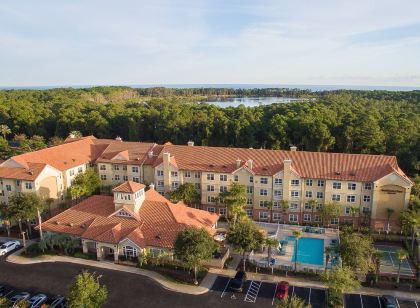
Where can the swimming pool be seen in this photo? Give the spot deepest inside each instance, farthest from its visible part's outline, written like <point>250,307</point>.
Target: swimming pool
<point>310,250</point>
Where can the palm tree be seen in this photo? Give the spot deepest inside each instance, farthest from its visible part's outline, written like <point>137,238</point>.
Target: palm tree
<point>295,302</point>
<point>353,211</point>
<point>411,219</point>
<point>328,251</point>
<point>297,234</point>
<point>389,212</point>
<point>4,130</point>
<point>312,204</point>
<point>270,242</point>
<point>284,206</point>
<point>377,259</point>
<point>269,206</point>
<point>401,255</point>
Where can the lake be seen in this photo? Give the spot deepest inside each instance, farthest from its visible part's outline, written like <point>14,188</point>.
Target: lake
<point>249,101</point>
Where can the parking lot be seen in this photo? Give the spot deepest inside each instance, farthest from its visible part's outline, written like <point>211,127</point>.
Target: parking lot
<point>367,301</point>
<point>262,294</point>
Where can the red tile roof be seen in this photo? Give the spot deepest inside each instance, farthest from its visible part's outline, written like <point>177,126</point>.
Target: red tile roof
<point>136,153</point>
<point>129,187</point>
<point>159,224</point>
<point>28,174</point>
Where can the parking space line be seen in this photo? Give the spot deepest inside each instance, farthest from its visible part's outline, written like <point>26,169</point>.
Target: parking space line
<point>252,293</point>
<point>274,295</point>
<point>379,301</point>
<point>416,304</point>
<point>293,291</point>
<point>396,299</point>
<point>223,293</point>
<point>310,291</point>
<point>361,300</point>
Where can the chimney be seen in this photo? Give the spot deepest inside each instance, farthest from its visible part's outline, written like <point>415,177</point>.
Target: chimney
<point>152,186</point>
<point>250,163</point>
<point>166,158</point>
<point>293,148</point>
<point>150,154</point>
<point>190,143</point>
<point>118,138</point>
<point>238,163</point>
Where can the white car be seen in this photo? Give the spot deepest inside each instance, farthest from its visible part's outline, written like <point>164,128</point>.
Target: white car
<point>8,246</point>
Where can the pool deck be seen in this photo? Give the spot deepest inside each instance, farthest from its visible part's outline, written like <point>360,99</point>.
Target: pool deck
<point>281,232</point>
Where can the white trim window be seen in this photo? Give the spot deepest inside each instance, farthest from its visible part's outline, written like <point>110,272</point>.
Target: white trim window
<point>334,221</point>
<point>351,198</point>
<point>366,198</point>
<point>263,203</point>
<point>159,172</point>
<point>223,177</point>
<point>336,185</point>
<point>294,182</point>
<point>351,186</point>
<point>320,195</point>
<point>211,209</point>
<point>293,206</point>
<point>321,183</point>
<point>134,169</point>
<point>117,177</point>
<point>160,184</point>
<point>222,211</point>
<point>130,251</point>
<point>8,187</point>
<point>251,179</point>
<point>317,218</point>
<point>28,185</point>
<point>278,193</point>
<point>335,197</point>
<point>174,174</point>
<point>211,199</point>
<point>103,177</point>
<point>136,179</point>
<point>249,189</point>
<point>263,215</point>
<point>197,175</point>
<point>263,192</point>
<point>293,218</point>
<point>278,181</point>
<point>102,167</point>
<point>249,201</point>
<point>347,210</point>
<point>276,216</point>
<point>306,217</point>
<point>210,176</point>
<point>210,187</point>
<point>125,177</point>
<point>264,180</point>
<point>175,185</point>
<point>307,206</point>
<point>235,178</point>
<point>294,194</point>
<point>308,194</point>
<point>187,174</point>
<point>309,182</point>
<point>368,186</point>
<point>223,189</point>
<point>249,213</point>
<point>276,204</point>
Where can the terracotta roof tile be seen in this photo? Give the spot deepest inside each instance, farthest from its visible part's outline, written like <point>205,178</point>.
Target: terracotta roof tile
<point>28,174</point>
<point>129,187</point>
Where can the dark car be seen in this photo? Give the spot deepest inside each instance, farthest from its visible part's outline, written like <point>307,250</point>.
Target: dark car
<point>57,301</point>
<point>19,297</point>
<point>6,291</point>
<point>237,283</point>
<point>389,301</point>
<point>282,290</point>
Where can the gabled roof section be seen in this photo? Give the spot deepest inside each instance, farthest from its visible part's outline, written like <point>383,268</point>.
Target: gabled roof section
<point>30,173</point>
<point>129,187</point>
<point>123,155</point>
<point>125,212</point>
<point>172,161</point>
<point>135,153</point>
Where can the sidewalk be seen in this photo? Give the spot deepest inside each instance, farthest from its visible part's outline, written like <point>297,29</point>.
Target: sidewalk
<point>167,284</point>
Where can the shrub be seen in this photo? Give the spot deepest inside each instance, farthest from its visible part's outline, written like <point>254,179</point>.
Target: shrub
<point>33,250</point>
<point>82,255</point>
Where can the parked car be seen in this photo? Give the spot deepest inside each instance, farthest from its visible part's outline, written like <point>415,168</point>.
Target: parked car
<point>5,291</point>
<point>57,301</point>
<point>282,290</point>
<point>37,300</point>
<point>389,301</point>
<point>17,298</point>
<point>8,246</point>
<point>237,283</point>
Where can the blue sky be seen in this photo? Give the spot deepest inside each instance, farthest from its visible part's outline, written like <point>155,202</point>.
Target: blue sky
<point>358,42</point>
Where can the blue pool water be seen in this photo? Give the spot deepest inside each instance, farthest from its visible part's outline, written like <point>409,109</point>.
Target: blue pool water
<point>310,250</point>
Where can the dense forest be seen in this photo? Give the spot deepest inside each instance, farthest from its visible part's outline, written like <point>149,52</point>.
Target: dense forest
<point>378,122</point>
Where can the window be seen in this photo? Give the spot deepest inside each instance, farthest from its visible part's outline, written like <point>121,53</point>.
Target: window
<point>103,177</point>
<point>136,179</point>
<point>308,206</point>
<point>317,218</point>
<point>366,210</point>
<point>125,178</point>
<point>263,203</point>
<point>293,206</point>
<point>222,211</point>
<point>102,167</point>
<point>336,197</point>
<point>134,169</point>
<point>319,206</point>
<point>278,181</point>
<point>351,198</point>
<point>351,186</point>
<point>197,186</point>
<point>210,199</point>
<point>293,217</point>
<point>223,189</point>
<point>210,176</point>
<point>211,209</point>
<point>306,217</point>
<point>249,201</point>
<point>347,210</point>
<point>276,216</point>
<point>264,181</point>
<point>197,175</point>
<point>187,174</point>
<point>321,183</point>
<point>223,177</point>
<point>116,177</point>
<point>249,213</point>
<point>116,167</point>
<point>334,221</point>
<point>236,178</point>
<point>175,185</point>
<point>249,189</point>
<point>251,179</point>
<point>366,198</point>
<point>336,185</point>
<point>174,174</point>
<point>294,194</point>
<point>263,192</point>
<point>210,187</point>
<point>276,204</point>
<point>308,194</point>
<point>130,252</point>
<point>71,172</point>
<point>17,182</point>
<point>320,195</point>
<point>309,182</point>
<point>278,193</point>
<point>263,215</point>
<point>368,186</point>
<point>124,167</point>
<point>80,170</point>
<point>159,172</point>
<point>28,185</point>
<point>160,184</point>
<point>295,182</point>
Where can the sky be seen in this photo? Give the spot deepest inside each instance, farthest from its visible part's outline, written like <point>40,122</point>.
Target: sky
<point>101,42</point>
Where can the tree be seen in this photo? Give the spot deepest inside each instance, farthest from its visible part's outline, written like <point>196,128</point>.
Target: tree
<point>85,184</point>
<point>234,199</point>
<point>328,251</point>
<point>340,280</point>
<point>389,212</point>
<point>187,193</point>
<point>87,292</point>
<point>294,302</point>
<point>6,215</point>
<point>402,254</point>
<point>192,246</point>
<point>4,130</point>
<point>356,251</point>
<point>5,150</point>
<point>75,134</point>
<point>312,204</point>
<point>245,237</point>
<point>353,211</point>
<point>284,206</point>
<point>377,256</point>
<point>4,302</point>
<point>297,234</point>
<point>410,220</point>
<point>329,211</point>
<point>270,243</point>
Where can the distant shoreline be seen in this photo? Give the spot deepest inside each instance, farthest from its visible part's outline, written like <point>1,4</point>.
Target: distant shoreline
<point>313,88</point>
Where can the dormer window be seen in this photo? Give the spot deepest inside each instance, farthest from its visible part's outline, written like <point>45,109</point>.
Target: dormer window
<point>123,213</point>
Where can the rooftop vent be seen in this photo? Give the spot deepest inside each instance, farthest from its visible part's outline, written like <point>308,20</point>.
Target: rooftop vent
<point>58,222</point>
<point>31,172</point>
<point>158,237</point>
<point>265,169</point>
<point>73,159</point>
<point>293,148</point>
<point>190,143</point>
<point>224,166</point>
<point>211,165</point>
<point>118,138</point>
<point>70,224</point>
<point>238,162</point>
<point>83,226</point>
